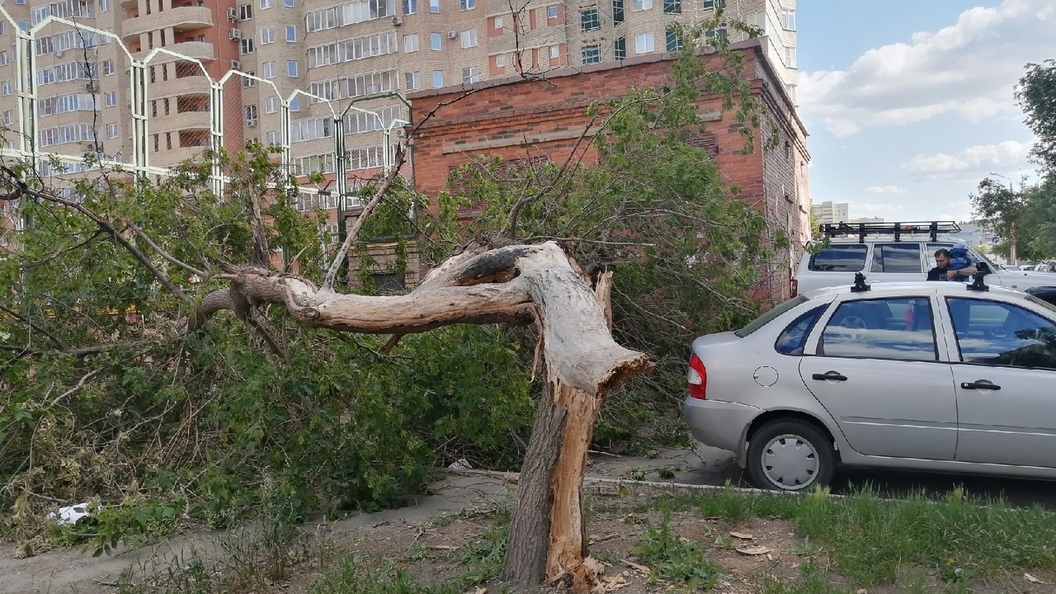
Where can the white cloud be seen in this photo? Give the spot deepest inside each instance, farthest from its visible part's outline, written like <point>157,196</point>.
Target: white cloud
<point>875,209</point>
<point>982,157</point>
<point>885,190</point>
<point>968,69</point>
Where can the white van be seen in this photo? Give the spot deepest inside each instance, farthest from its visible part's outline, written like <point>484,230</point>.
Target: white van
<point>895,252</point>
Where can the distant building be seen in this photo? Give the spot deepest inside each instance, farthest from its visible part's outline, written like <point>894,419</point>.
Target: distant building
<point>867,220</point>
<point>830,212</point>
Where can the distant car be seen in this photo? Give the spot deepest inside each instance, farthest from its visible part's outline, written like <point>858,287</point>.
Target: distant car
<point>896,252</point>
<point>922,376</point>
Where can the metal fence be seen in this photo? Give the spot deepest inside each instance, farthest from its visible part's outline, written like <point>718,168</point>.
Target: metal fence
<point>75,97</point>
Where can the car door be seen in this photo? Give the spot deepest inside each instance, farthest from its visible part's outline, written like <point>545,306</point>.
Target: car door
<point>1005,382</point>
<point>899,261</point>
<point>876,369</point>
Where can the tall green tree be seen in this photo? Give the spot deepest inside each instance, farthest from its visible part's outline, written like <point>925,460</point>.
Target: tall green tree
<point>1036,94</point>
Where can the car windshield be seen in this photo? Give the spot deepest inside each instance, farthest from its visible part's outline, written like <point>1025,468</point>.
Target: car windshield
<point>764,319</point>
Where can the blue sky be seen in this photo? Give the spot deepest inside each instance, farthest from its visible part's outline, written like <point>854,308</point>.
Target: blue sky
<point>909,103</point>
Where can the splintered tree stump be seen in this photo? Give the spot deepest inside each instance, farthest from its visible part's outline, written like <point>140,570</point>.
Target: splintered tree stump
<point>516,284</point>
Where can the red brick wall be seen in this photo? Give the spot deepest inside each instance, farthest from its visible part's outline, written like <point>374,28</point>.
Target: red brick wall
<point>519,118</point>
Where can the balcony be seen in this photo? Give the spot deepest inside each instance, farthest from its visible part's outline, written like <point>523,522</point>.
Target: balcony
<point>199,50</point>
<point>179,18</point>
<point>178,87</point>
<point>175,122</point>
<point>168,158</point>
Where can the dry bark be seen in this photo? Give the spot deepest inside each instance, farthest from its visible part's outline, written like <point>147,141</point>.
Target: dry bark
<point>517,284</point>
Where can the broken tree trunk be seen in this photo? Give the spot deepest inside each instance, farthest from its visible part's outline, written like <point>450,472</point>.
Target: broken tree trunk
<point>513,284</point>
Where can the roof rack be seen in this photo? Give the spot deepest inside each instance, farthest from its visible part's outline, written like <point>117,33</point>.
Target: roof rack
<point>932,228</point>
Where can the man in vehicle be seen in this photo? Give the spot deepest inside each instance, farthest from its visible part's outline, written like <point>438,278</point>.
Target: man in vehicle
<point>947,269</point>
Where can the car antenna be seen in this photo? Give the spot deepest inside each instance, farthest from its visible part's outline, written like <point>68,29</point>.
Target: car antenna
<point>859,283</point>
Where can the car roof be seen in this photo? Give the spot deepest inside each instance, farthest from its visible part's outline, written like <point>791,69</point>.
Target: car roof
<point>890,289</point>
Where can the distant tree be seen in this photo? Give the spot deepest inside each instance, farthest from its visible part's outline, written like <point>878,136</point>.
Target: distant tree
<point>1037,96</point>
<point>999,207</point>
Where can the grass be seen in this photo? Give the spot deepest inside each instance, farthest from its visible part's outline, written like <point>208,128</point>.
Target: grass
<point>914,545</point>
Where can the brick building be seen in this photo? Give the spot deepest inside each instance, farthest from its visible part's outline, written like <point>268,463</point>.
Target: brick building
<point>516,118</point>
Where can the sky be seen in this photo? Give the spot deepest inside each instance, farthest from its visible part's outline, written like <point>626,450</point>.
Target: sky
<point>909,104</point>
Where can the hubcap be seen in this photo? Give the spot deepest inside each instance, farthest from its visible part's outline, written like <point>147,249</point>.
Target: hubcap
<point>790,462</point>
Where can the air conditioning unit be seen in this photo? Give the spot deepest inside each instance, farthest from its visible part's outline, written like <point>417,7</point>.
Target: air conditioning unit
<point>251,123</point>
<point>90,87</point>
<point>58,53</point>
<point>236,65</point>
<point>232,14</point>
<point>236,34</point>
<point>397,21</point>
<point>452,34</point>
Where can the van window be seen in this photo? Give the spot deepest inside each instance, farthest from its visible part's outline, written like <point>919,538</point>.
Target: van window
<point>840,258</point>
<point>896,257</point>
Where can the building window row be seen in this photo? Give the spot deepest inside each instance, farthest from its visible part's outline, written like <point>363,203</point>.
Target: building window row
<point>65,10</point>
<point>355,86</point>
<point>66,134</point>
<point>68,40</point>
<point>348,14</point>
<point>66,103</point>
<point>65,72</point>
<point>352,49</point>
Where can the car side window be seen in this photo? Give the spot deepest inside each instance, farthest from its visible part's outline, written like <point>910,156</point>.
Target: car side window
<point>840,258</point>
<point>996,333</point>
<point>899,328</point>
<point>896,257</point>
<point>794,336</point>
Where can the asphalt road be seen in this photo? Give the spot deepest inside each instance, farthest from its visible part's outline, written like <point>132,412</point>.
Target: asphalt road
<point>711,466</point>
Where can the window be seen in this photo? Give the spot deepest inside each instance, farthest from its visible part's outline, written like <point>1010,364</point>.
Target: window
<point>111,130</point>
<point>555,52</point>
<point>591,54</point>
<point>291,69</point>
<point>794,337</point>
<point>790,57</point>
<point>617,12</point>
<point>713,4</point>
<point>245,12</point>
<point>295,104</point>
<point>288,3</point>
<point>674,40</point>
<point>5,59</point>
<point>469,38</point>
<point>410,43</point>
<point>467,4</point>
<point>272,138</point>
<point>673,6</point>
<point>496,23</point>
<point>9,117</point>
<point>470,75</point>
<point>840,258</point>
<point>551,13</point>
<point>644,43</point>
<point>251,114</point>
<point>899,328</point>
<point>104,5</point>
<point>246,46</point>
<point>249,82</point>
<point>5,88</point>
<point>265,4</point>
<point>620,48</point>
<point>500,61</point>
<point>23,25</point>
<point>719,33</point>
<point>434,41</point>
<point>788,19</point>
<point>588,20</point>
<point>438,79</point>
<point>271,105</point>
<point>267,35</point>
<point>412,80</point>
<point>995,333</point>
<point>410,6</point>
<point>268,70</point>
<point>3,27</point>
<point>896,257</point>
<point>291,33</point>
<point>110,99</point>
<point>643,4</point>
<point>434,6</point>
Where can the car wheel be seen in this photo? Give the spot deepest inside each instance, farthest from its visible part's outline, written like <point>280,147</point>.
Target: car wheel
<point>790,455</point>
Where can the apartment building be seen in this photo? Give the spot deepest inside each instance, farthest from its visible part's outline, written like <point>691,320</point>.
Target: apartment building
<point>830,212</point>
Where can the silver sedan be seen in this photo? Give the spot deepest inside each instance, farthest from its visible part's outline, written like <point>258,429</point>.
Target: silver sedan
<point>922,376</point>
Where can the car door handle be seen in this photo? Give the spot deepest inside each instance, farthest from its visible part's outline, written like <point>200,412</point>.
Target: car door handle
<point>980,385</point>
<point>830,375</point>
